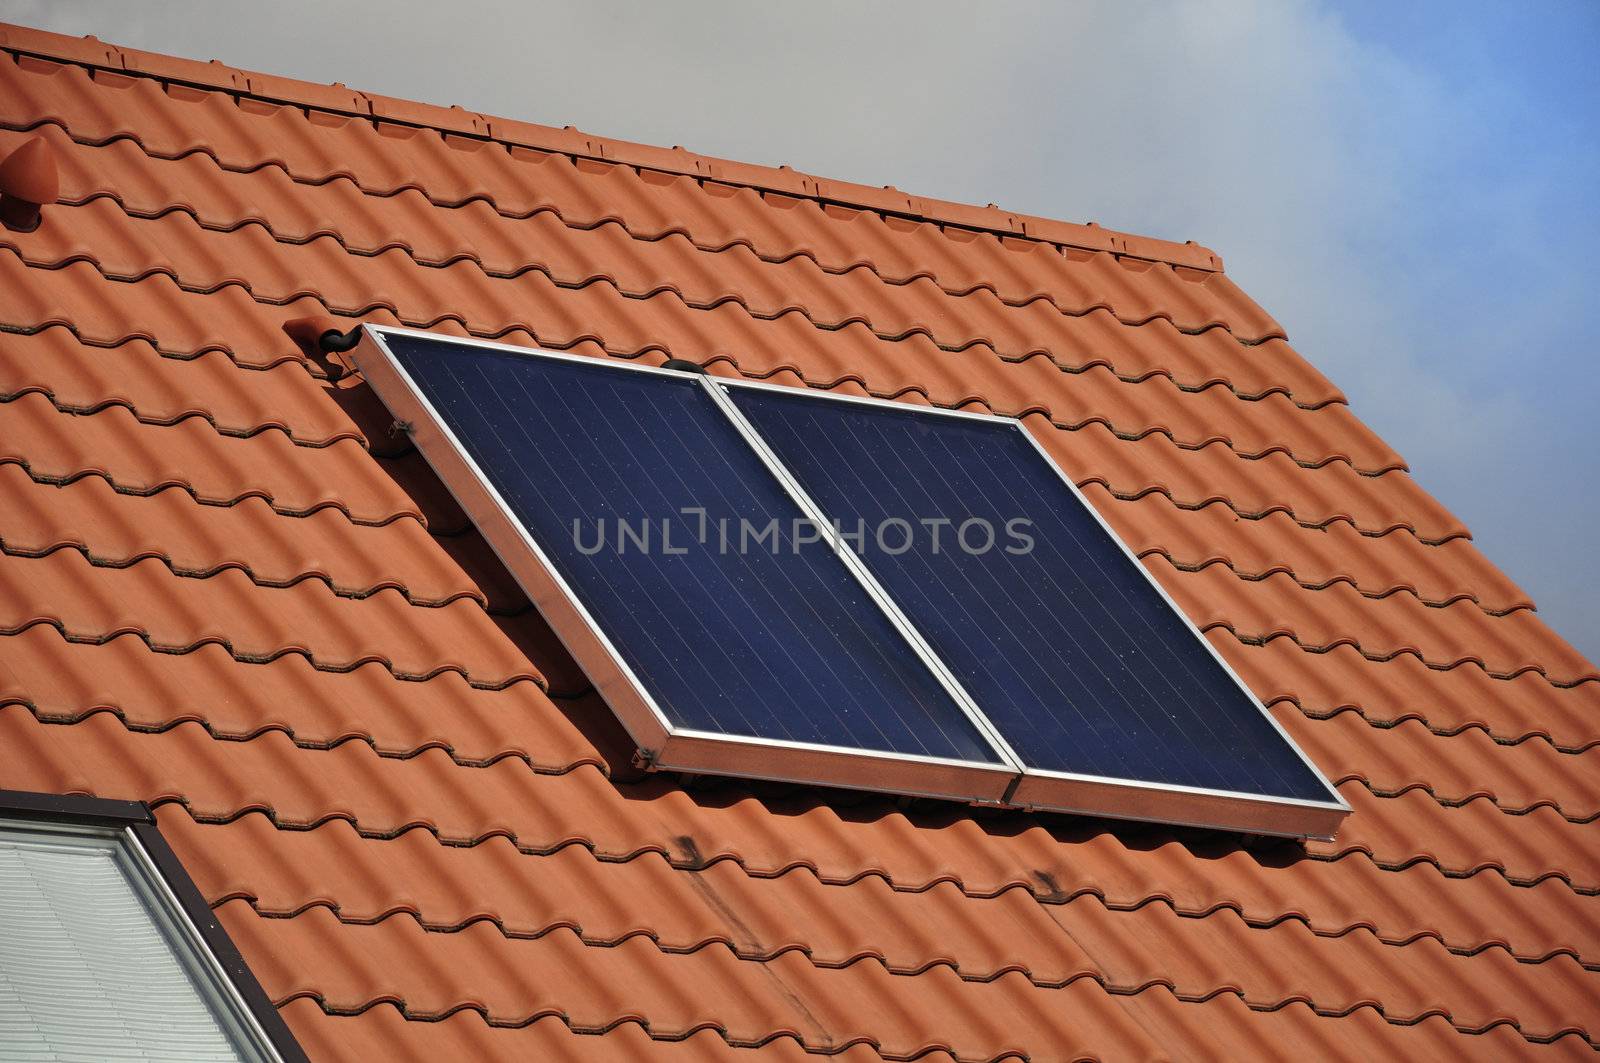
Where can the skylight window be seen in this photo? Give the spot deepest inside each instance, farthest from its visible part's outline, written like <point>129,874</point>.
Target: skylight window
<point>783,584</point>
<point>99,957</point>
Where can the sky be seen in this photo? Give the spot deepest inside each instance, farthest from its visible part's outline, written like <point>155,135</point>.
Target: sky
<point>1411,189</point>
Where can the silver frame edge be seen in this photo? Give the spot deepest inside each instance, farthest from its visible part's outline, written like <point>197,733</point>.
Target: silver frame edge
<point>662,746</point>
<point>1125,798</point>
<point>666,748</point>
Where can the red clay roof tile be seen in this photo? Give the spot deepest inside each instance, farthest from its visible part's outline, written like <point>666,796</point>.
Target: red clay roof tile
<point>158,390</point>
<point>1275,483</point>
<point>385,1032</point>
<point>1377,565</point>
<point>175,613</point>
<point>227,588</point>
<point>1454,769</point>
<point>28,182</point>
<point>64,681</point>
<point>60,446</point>
<point>1404,688</point>
<point>1446,636</point>
<point>117,530</point>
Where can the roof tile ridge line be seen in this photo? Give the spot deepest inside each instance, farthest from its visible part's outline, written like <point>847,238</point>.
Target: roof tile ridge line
<point>321,1003</point>
<point>1105,982</point>
<point>1440,732</point>
<point>377,306</point>
<point>209,416</point>
<point>1355,777</point>
<point>101,638</point>
<point>1093,363</point>
<point>70,328</point>
<point>1261,639</point>
<point>978,399</point>
<point>7,329</point>
<point>1280,507</point>
<point>139,636</point>
<point>1084,236</point>
<point>1321,525</point>
<point>69,719</point>
<point>1340,577</point>
<point>1256,922</point>
<point>1350,852</point>
<point>84,550</point>
<point>189,489</point>
<point>482,1011</point>
<point>1018,303</point>
<point>681,864</point>
<point>702,944</point>
<point>731,297</point>
<point>1360,779</point>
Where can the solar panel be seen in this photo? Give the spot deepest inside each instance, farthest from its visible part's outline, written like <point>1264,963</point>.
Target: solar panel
<point>1086,669</point>
<point>678,569</point>
<point>802,586</point>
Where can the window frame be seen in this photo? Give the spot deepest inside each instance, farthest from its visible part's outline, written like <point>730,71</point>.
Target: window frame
<point>175,905</point>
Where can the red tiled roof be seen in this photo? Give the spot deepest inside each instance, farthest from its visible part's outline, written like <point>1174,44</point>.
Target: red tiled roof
<point>226,590</point>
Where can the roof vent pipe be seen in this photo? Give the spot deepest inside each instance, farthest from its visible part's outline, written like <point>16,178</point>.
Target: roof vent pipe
<point>28,181</point>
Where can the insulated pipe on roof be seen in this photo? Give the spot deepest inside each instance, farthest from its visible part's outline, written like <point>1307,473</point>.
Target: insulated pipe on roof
<point>321,335</point>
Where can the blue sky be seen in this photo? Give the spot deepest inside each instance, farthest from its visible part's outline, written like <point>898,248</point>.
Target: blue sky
<point>1410,188</point>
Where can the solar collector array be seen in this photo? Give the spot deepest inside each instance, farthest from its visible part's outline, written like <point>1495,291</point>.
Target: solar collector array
<point>1058,635</point>
<point>615,473</point>
<point>1033,662</point>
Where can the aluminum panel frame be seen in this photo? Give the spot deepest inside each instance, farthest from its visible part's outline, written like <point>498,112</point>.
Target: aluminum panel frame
<point>662,747</point>
<point>1054,791</point>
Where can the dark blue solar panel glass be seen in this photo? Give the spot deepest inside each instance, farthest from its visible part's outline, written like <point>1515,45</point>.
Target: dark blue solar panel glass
<point>754,637</point>
<point>1079,662</point>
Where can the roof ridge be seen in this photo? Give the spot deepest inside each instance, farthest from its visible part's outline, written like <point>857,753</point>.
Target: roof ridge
<point>89,51</point>
<point>53,259</point>
<point>1264,333</point>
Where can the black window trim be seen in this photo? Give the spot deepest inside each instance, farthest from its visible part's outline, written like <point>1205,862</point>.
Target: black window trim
<point>138,818</point>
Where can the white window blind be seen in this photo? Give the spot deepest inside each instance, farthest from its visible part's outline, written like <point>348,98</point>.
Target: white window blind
<point>94,960</point>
